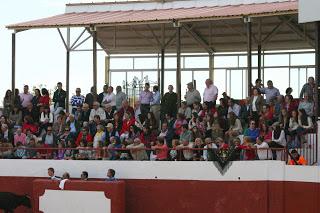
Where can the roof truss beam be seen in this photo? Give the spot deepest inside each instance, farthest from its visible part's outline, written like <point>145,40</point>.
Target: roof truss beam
<point>154,35</point>
<point>63,40</point>
<point>90,31</point>
<point>143,36</point>
<point>198,38</point>
<point>75,42</point>
<point>299,31</point>
<point>275,30</point>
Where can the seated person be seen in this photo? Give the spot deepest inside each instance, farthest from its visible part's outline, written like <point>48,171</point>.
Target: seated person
<point>297,159</point>
<point>263,151</point>
<point>161,149</point>
<point>185,146</point>
<point>235,127</point>
<point>185,110</point>
<point>6,149</point>
<point>198,154</point>
<point>252,132</point>
<point>137,150</point>
<point>20,152</point>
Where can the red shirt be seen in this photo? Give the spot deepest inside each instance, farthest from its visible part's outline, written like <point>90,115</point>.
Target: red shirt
<point>249,153</point>
<point>44,100</point>
<point>79,138</point>
<point>162,152</point>
<point>126,125</point>
<point>33,128</point>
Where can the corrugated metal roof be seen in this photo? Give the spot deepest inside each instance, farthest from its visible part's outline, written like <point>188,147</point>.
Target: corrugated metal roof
<point>164,15</point>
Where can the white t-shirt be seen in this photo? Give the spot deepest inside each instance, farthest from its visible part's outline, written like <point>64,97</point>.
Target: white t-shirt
<point>110,98</point>
<point>264,154</point>
<point>254,108</point>
<point>210,94</point>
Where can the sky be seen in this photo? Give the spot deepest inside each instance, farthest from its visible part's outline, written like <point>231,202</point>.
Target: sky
<point>40,54</point>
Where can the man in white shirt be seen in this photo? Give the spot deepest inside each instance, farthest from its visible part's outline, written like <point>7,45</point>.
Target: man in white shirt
<point>97,110</point>
<point>25,97</point>
<point>263,151</point>
<point>210,94</point>
<point>109,98</point>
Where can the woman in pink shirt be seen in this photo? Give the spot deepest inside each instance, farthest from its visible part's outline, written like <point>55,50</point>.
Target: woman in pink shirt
<point>161,149</point>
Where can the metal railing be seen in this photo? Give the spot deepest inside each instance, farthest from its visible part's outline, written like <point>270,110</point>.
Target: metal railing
<point>173,154</point>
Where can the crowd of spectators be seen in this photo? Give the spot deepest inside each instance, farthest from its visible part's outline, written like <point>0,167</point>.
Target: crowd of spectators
<point>105,126</point>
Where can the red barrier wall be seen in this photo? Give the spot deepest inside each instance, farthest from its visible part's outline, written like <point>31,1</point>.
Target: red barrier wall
<point>115,191</point>
<point>172,196</point>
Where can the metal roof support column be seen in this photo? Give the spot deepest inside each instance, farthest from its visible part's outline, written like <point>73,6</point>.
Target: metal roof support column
<point>317,74</point>
<point>13,64</point>
<point>259,47</point>
<point>162,71</point>
<point>67,79</point>
<point>259,61</point>
<point>107,70</point>
<point>247,20</point>
<point>178,72</point>
<point>211,66</point>
<point>94,58</point>
<point>67,69</point>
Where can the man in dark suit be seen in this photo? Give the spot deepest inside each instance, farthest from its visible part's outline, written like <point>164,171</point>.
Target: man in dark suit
<point>103,94</point>
<point>59,99</point>
<point>91,97</point>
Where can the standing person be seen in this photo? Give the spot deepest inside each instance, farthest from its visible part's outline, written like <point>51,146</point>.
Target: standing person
<point>59,99</point>
<point>77,100</point>
<point>109,98</point>
<point>102,95</point>
<point>256,104</point>
<point>7,103</point>
<point>91,97</point>
<point>258,85</point>
<point>192,95</point>
<point>155,104</point>
<point>210,94</point>
<point>44,100</point>
<point>169,103</point>
<point>309,88</point>
<point>120,97</point>
<point>145,99</point>
<point>25,97</point>
<point>16,99</point>
<point>271,92</point>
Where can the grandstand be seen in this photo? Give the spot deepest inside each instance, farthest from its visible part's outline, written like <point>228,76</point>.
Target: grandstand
<point>234,42</point>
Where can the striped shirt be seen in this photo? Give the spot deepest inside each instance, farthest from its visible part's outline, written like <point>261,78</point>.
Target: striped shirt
<point>77,100</point>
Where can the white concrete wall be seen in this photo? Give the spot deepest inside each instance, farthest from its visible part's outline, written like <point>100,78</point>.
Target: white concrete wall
<point>53,201</point>
<point>175,170</point>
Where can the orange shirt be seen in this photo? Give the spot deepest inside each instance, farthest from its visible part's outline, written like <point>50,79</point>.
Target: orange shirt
<point>301,161</point>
